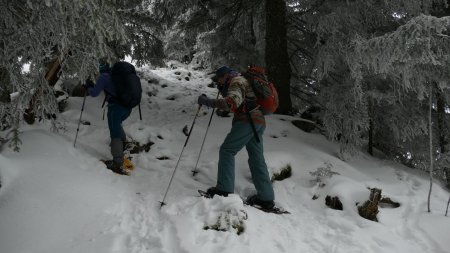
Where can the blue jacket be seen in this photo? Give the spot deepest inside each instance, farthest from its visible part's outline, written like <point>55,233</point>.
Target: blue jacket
<point>104,82</point>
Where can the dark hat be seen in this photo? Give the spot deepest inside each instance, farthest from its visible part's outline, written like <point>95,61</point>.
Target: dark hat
<point>103,67</point>
<point>221,72</point>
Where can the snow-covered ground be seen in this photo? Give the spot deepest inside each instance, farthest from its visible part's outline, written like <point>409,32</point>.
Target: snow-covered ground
<point>57,198</point>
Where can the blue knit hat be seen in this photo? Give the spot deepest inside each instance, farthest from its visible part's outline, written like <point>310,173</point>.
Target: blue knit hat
<point>221,72</point>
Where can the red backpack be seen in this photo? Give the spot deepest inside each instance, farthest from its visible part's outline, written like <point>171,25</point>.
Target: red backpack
<point>265,92</point>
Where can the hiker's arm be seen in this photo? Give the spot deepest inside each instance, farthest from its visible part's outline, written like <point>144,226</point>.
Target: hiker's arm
<point>99,86</point>
<point>234,99</point>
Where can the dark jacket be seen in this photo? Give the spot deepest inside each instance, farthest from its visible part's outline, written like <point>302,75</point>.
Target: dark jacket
<point>104,82</point>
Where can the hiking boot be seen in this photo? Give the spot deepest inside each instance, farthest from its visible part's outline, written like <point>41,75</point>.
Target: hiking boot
<point>214,191</point>
<point>116,167</point>
<point>254,200</point>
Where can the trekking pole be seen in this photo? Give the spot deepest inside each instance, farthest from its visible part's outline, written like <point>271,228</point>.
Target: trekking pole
<point>140,113</point>
<point>178,162</point>
<point>194,172</point>
<point>103,106</point>
<point>79,121</point>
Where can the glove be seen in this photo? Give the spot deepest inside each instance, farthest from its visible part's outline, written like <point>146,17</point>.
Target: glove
<point>222,113</point>
<point>204,100</point>
<point>88,84</point>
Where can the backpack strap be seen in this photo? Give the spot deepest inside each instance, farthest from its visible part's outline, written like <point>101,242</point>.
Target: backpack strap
<point>250,104</point>
<point>104,100</point>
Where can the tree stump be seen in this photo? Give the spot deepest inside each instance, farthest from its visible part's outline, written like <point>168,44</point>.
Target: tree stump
<point>369,209</point>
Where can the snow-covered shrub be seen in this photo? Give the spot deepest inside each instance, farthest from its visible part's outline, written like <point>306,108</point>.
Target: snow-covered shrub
<point>14,141</point>
<point>285,172</point>
<point>322,174</point>
<point>230,220</point>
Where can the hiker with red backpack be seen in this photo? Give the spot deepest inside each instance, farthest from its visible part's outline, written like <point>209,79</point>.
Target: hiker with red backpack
<point>122,91</point>
<point>248,126</point>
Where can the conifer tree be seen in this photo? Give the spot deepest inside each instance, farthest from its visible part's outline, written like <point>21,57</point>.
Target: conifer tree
<point>343,30</point>
<point>73,34</point>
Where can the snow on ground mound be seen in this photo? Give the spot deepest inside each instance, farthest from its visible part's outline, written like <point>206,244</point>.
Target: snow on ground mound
<point>57,198</point>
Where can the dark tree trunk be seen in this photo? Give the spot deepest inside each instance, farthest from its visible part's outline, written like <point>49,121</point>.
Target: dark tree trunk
<point>6,87</point>
<point>277,60</point>
<point>441,121</point>
<point>442,128</point>
<point>370,148</point>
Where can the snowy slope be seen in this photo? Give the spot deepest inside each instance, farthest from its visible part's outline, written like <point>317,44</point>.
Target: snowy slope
<point>57,198</point>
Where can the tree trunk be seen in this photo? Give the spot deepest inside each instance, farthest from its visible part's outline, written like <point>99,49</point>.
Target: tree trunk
<point>431,145</point>
<point>6,86</point>
<point>370,148</point>
<point>277,60</point>
<point>442,129</point>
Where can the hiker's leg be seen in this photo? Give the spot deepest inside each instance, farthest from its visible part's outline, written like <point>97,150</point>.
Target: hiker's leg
<point>115,130</point>
<point>239,135</point>
<point>258,167</point>
<point>117,150</point>
<point>123,136</point>
<point>124,114</point>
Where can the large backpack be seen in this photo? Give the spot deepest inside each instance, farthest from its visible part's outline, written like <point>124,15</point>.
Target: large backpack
<point>265,92</point>
<point>127,84</point>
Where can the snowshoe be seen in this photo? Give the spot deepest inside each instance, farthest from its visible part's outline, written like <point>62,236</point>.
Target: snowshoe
<point>265,206</point>
<point>213,191</point>
<point>254,200</point>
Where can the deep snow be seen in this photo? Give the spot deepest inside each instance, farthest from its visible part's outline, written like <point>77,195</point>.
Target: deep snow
<point>57,198</point>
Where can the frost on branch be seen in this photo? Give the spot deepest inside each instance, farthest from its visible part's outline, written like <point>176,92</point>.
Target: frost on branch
<point>414,54</point>
<point>37,33</point>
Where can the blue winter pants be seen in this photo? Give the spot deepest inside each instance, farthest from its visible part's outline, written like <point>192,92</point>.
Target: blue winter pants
<point>116,115</point>
<point>241,135</point>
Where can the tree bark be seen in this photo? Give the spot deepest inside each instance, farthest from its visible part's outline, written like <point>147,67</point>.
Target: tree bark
<point>369,209</point>
<point>277,60</point>
<point>431,146</point>
<point>370,149</point>
<point>370,144</point>
<point>6,87</point>
<point>442,128</point>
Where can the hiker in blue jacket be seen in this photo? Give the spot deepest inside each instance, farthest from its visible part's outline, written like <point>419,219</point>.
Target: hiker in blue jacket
<point>116,115</point>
